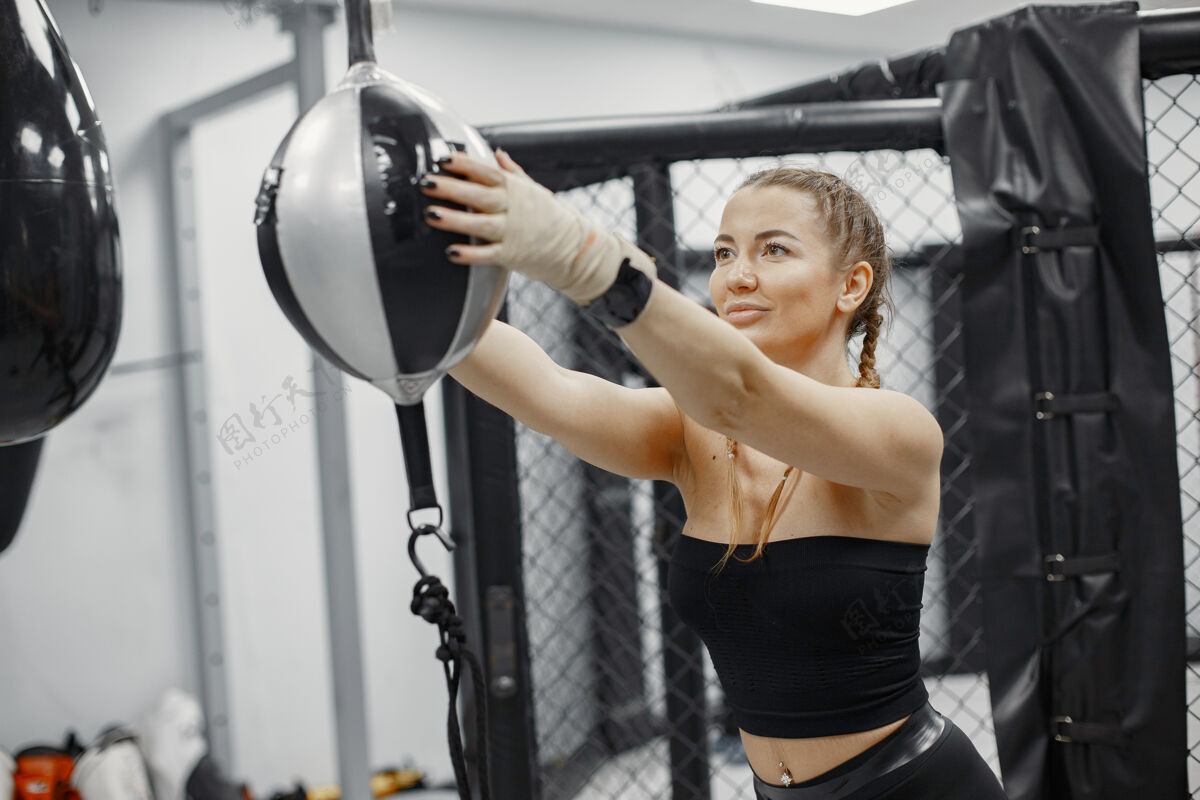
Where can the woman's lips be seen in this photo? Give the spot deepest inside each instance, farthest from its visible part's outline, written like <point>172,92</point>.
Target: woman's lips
<point>744,315</point>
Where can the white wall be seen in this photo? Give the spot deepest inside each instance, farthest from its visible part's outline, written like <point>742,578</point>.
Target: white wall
<point>96,614</point>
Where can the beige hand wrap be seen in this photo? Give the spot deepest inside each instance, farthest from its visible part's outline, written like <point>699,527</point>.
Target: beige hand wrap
<point>552,242</point>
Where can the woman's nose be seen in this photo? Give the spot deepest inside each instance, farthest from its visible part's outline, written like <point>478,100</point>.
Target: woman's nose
<point>741,276</point>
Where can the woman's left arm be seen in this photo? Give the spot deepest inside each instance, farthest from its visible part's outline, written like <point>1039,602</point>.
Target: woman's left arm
<point>868,438</point>
<point>872,439</point>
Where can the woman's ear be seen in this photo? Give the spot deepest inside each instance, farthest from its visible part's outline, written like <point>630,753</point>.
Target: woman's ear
<point>858,280</point>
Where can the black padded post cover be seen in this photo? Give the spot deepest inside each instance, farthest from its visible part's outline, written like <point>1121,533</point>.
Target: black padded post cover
<point>1044,125</point>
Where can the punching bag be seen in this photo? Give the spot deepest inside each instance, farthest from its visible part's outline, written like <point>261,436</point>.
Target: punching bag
<point>60,274</point>
<point>344,245</point>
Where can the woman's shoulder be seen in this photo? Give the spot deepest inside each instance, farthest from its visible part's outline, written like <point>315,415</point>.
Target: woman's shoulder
<point>905,412</point>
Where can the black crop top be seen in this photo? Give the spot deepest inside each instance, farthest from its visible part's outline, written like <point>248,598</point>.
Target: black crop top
<point>817,637</point>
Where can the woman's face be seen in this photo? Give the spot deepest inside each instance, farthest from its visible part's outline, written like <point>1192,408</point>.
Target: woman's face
<point>776,276</point>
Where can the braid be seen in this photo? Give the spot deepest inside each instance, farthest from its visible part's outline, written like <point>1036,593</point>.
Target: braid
<point>868,377</point>
<point>735,510</point>
<point>735,495</point>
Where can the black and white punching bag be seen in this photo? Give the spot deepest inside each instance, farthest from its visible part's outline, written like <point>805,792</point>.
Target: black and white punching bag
<point>60,273</point>
<point>343,242</point>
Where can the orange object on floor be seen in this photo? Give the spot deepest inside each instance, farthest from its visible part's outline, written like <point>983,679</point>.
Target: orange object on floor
<point>44,773</point>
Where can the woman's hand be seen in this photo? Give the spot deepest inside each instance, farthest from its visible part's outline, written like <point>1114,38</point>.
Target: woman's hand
<point>527,228</point>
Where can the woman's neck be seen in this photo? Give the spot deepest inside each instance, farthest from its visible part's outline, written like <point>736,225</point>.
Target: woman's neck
<point>825,363</point>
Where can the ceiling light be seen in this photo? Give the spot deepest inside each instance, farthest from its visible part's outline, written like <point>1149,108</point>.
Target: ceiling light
<point>851,8</point>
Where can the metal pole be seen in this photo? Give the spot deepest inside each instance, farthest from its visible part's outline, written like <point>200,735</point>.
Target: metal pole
<point>307,25</point>
<point>191,392</point>
<point>485,517</point>
<point>682,655</point>
<point>777,130</point>
<point>1170,41</point>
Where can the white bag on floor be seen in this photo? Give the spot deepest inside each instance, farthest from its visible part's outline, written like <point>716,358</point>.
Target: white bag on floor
<point>112,768</point>
<point>172,737</point>
<point>7,767</point>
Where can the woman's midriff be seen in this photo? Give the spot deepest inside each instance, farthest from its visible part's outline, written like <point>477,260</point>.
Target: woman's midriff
<point>807,758</point>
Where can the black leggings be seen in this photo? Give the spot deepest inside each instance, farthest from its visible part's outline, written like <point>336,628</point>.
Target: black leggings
<point>926,758</point>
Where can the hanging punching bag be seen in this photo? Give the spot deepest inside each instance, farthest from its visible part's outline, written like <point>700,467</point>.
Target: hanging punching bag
<point>60,274</point>
<point>342,240</point>
<point>354,267</point>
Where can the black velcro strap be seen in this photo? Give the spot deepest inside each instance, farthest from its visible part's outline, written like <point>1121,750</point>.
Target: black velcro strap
<point>1048,405</point>
<point>1065,729</point>
<point>1060,567</point>
<point>1035,238</point>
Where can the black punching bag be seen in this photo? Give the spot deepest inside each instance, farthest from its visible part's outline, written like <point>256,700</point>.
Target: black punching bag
<point>60,274</point>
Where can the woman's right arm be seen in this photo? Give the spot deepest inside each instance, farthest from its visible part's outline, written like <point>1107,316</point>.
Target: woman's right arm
<point>637,433</point>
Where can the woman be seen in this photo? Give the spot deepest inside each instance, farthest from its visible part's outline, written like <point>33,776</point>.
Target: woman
<point>768,434</point>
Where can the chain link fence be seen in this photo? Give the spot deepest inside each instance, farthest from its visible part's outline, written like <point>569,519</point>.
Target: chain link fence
<point>1173,156</point>
<point>614,674</point>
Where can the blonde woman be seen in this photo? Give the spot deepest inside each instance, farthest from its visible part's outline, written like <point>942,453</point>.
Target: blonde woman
<point>812,494</point>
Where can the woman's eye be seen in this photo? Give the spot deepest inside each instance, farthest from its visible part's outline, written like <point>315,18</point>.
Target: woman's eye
<point>722,254</point>
<point>775,249</point>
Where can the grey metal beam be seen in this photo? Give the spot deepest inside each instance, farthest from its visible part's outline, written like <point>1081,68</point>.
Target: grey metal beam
<point>181,119</point>
<point>190,395</point>
<point>307,25</point>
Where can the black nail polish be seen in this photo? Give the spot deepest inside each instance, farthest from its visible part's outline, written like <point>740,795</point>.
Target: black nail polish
<point>426,183</point>
<point>432,214</point>
<point>452,252</point>
<point>445,159</point>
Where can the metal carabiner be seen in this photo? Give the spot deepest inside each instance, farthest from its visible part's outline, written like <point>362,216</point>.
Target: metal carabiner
<point>446,541</point>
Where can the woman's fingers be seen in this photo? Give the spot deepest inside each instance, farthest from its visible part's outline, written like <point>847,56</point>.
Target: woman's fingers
<point>473,253</point>
<point>489,227</point>
<point>472,169</point>
<point>506,163</point>
<point>455,190</point>
<point>480,187</point>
